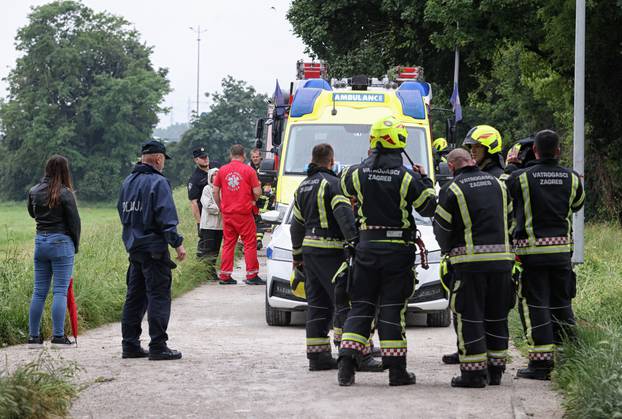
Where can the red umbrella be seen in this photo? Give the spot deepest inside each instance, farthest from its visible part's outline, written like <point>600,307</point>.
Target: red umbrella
<point>73,310</point>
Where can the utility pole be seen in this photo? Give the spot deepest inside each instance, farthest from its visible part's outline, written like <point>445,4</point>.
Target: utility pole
<point>198,32</point>
<point>579,122</point>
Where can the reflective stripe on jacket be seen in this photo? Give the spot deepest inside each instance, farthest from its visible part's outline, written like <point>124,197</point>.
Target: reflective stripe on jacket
<point>545,196</point>
<point>471,222</point>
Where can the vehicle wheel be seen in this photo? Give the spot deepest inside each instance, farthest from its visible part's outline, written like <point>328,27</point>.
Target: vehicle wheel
<point>275,317</point>
<point>439,318</point>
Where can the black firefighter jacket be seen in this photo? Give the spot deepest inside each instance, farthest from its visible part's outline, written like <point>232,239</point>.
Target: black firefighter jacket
<point>386,193</point>
<point>545,195</point>
<point>471,222</point>
<point>323,216</point>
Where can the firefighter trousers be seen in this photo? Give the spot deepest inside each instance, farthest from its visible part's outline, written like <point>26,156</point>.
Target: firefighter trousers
<point>545,296</point>
<point>481,302</point>
<point>320,266</point>
<point>383,279</point>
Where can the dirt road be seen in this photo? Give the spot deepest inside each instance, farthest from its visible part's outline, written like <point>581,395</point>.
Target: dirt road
<point>234,365</point>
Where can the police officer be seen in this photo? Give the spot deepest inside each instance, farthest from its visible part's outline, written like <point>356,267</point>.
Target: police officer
<point>383,277</point>
<point>196,183</point>
<point>149,219</point>
<point>485,145</point>
<point>545,196</point>
<point>322,218</point>
<point>471,226</point>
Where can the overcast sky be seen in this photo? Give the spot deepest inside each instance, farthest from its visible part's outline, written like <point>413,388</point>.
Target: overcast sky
<point>248,39</point>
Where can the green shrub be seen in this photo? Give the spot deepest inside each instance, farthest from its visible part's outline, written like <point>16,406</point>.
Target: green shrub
<point>42,388</point>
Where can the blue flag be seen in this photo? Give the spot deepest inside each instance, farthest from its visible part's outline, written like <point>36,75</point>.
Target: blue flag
<point>279,100</point>
<point>455,103</point>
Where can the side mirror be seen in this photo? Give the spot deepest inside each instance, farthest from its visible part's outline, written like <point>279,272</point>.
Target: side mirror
<point>277,131</point>
<point>444,175</point>
<point>272,217</point>
<point>259,129</point>
<point>259,144</point>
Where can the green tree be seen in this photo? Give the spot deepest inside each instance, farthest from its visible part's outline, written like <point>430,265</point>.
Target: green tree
<point>231,119</point>
<point>517,65</point>
<point>84,87</point>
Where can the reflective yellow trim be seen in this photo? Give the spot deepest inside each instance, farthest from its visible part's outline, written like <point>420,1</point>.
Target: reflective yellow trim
<point>341,269</point>
<point>526,317</point>
<point>359,196</point>
<point>391,241</point>
<point>582,198</point>
<point>321,205</point>
<point>573,194</point>
<point>466,218</point>
<point>318,341</point>
<point>344,188</point>
<point>506,211</point>
<point>452,304</point>
<point>297,213</point>
<point>322,243</point>
<point>542,348</point>
<point>427,193</point>
<point>296,250</point>
<point>543,250</point>
<point>524,184</point>
<point>355,337</point>
<point>339,199</point>
<point>443,213</point>
<point>498,354</point>
<point>403,194</point>
<point>393,344</point>
<point>482,257</point>
<point>473,358</point>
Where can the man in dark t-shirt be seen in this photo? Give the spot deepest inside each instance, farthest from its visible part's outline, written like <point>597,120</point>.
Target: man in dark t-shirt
<point>197,182</point>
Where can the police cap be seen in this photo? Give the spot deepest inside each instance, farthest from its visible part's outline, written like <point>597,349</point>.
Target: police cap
<point>199,152</point>
<point>154,147</point>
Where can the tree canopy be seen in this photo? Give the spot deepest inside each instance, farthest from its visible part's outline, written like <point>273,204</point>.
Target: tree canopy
<point>231,119</point>
<point>83,87</point>
<point>516,69</point>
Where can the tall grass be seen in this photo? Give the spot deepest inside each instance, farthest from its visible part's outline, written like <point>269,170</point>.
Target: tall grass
<point>99,272</point>
<point>591,374</point>
<point>42,388</point>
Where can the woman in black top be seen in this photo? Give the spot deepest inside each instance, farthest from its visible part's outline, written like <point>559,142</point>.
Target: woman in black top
<point>53,206</point>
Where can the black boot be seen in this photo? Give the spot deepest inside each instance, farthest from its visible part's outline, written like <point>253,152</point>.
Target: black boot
<point>345,375</point>
<point>398,376</point>
<point>470,379</point>
<point>322,362</point>
<point>451,359</point>
<point>495,373</point>
<point>369,364</point>
<point>536,370</point>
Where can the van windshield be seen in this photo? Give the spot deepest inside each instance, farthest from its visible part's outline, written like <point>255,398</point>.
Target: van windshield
<point>350,143</point>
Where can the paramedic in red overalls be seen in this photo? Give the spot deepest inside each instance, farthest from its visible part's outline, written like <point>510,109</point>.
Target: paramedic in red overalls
<point>236,188</point>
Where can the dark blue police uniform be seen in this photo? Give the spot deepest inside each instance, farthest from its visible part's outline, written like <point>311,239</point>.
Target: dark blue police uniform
<point>149,219</point>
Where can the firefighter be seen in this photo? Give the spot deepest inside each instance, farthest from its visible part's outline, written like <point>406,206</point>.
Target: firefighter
<point>322,218</point>
<point>486,145</point>
<point>384,258</point>
<point>545,196</point>
<point>471,226</point>
<point>518,156</point>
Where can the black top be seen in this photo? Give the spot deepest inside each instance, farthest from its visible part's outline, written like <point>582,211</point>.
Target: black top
<point>196,183</point>
<point>321,210</point>
<point>147,212</point>
<point>471,223</point>
<point>545,195</point>
<point>387,192</point>
<point>63,218</point>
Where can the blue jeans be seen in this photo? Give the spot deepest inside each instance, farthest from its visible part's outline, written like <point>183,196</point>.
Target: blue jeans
<point>54,253</point>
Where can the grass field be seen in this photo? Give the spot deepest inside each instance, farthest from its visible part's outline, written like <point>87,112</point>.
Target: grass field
<point>99,269</point>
